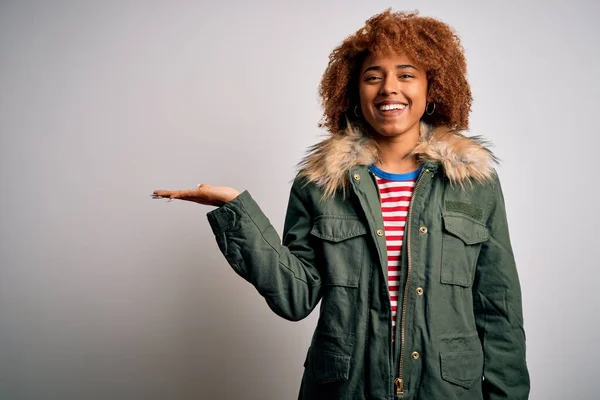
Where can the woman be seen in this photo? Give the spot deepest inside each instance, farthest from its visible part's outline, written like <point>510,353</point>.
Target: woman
<point>396,223</point>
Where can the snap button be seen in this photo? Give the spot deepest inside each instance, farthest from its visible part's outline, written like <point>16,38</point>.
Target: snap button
<point>420,291</point>
<point>423,229</point>
<point>379,232</point>
<point>415,355</point>
<point>356,177</point>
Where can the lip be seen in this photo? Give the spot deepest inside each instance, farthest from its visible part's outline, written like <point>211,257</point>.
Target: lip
<point>388,102</point>
<point>392,113</point>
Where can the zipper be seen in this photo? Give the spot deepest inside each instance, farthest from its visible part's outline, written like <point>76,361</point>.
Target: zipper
<point>399,381</point>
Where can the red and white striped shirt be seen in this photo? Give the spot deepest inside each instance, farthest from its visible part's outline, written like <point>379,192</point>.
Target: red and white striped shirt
<point>396,192</point>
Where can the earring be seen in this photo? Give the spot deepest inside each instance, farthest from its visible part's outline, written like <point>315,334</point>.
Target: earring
<point>356,111</point>
<point>427,109</point>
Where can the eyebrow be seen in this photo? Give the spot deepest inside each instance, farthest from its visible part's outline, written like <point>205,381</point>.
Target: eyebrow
<point>378,68</point>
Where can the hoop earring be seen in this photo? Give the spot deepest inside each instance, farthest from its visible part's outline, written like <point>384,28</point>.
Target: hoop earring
<point>356,112</point>
<point>427,109</point>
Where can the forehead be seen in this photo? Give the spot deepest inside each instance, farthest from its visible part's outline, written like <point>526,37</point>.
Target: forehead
<point>389,58</point>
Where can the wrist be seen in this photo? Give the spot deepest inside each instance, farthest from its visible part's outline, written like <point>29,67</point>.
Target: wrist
<point>230,196</point>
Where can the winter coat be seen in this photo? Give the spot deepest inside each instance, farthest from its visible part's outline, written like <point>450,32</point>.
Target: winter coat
<point>459,329</point>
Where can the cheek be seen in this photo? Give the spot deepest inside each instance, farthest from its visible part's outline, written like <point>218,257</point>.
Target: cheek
<point>363,96</point>
<point>419,97</point>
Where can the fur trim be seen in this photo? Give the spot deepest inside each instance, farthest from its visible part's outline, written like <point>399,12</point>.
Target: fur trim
<point>328,162</point>
<point>464,159</point>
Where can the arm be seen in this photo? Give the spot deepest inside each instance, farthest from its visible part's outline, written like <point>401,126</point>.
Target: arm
<point>284,274</point>
<point>498,310</point>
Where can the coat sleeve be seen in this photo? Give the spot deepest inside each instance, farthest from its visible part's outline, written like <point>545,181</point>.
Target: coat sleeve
<point>498,310</point>
<point>285,274</point>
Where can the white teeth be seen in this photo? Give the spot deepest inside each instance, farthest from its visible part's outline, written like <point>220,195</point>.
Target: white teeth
<point>388,107</point>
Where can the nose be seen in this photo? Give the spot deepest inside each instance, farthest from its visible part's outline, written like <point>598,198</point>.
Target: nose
<point>389,86</point>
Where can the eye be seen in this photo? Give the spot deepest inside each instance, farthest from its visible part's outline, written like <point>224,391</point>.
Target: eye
<point>371,78</point>
<point>405,76</point>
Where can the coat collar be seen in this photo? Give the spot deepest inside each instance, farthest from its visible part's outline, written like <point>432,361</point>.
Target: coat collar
<point>463,159</point>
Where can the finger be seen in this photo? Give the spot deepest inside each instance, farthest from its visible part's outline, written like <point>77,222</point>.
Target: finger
<point>184,194</point>
<point>162,193</point>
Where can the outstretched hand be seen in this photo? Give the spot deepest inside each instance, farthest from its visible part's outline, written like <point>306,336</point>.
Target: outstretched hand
<point>204,194</point>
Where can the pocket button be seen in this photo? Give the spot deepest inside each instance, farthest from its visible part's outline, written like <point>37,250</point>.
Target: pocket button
<point>420,291</point>
<point>415,355</point>
<point>423,229</point>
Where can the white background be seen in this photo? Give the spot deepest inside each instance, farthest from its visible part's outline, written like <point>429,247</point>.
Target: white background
<point>107,294</point>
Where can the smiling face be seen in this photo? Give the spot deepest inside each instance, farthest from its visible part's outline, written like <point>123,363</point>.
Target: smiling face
<point>393,94</point>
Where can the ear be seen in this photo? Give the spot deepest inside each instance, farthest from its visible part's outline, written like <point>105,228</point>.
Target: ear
<point>429,85</point>
<point>346,104</point>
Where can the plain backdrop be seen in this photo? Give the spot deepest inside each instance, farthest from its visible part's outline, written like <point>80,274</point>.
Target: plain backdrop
<point>108,294</point>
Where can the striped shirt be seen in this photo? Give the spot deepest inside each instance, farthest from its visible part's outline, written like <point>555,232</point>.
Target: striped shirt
<point>396,192</point>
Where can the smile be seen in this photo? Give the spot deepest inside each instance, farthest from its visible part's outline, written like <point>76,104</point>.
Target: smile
<point>391,107</point>
<point>390,110</point>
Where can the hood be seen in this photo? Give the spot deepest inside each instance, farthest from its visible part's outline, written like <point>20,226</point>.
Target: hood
<point>463,159</point>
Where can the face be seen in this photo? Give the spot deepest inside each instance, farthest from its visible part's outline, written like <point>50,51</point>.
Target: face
<point>393,94</point>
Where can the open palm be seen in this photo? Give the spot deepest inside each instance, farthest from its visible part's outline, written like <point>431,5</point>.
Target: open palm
<point>204,194</point>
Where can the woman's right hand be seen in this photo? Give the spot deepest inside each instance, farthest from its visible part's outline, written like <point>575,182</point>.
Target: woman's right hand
<point>204,194</point>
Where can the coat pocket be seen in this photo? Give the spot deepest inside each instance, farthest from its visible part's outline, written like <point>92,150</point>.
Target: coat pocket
<point>327,366</point>
<point>463,368</point>
<point>461,242</point>
<point>343,242</point>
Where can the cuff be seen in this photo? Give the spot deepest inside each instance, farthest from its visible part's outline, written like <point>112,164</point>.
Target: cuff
<point>225,217</point>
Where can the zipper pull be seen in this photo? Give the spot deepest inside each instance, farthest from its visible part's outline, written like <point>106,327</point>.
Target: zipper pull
<point>399,387</point>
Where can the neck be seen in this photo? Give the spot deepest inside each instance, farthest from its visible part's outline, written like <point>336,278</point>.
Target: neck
<point>394,151</point>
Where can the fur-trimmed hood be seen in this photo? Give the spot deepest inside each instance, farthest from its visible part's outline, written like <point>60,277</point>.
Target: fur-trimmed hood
<point>462,158</point>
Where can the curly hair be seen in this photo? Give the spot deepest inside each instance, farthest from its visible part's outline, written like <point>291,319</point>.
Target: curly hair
<point>427,41</point>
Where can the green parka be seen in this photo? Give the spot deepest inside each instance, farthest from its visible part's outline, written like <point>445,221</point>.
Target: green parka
<point>460,326</point>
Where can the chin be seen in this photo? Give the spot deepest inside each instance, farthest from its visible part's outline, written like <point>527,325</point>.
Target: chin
<point>391,131</point>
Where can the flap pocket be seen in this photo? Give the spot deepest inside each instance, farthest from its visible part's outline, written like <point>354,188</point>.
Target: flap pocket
<point>461,243</point>
<point>337,228</point>
<point>328,366</point>
<point>464,368</point>
<point>466,229</point>
<point>342,244</point>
